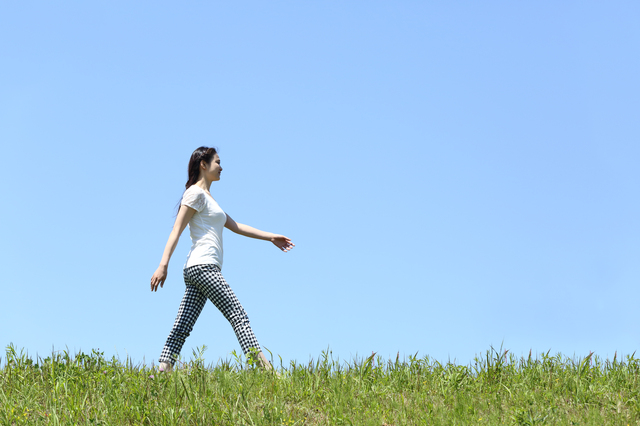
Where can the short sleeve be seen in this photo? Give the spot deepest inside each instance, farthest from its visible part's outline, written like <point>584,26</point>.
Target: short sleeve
<point>194,199</point>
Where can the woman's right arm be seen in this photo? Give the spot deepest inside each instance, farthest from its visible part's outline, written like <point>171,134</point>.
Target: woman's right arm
<point>184,216</point>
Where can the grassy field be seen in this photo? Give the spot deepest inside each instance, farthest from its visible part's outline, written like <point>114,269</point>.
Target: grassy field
<point>497,388</point>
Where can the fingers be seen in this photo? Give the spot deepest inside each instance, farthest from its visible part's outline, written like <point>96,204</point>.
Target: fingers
<point>155,282</point>
<point>283,243</point>
<point>286,246</point>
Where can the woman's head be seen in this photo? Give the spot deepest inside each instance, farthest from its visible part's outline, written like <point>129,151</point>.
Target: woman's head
<point>204,160</point>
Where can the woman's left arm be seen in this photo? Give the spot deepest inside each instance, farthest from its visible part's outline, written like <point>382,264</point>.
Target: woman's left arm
<point>280,241</point>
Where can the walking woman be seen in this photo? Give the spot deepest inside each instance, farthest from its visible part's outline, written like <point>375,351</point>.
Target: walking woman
<point>202,270</point>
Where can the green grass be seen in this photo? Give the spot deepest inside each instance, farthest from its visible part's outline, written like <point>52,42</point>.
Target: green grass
<point>497,388</point>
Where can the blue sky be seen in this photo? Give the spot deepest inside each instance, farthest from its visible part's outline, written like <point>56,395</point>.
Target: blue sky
<point>455,176</point>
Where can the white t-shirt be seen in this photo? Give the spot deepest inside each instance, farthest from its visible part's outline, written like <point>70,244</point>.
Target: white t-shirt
<point>205,226</point>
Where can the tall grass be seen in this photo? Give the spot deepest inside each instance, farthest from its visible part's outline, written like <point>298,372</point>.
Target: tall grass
<point>496,388</point>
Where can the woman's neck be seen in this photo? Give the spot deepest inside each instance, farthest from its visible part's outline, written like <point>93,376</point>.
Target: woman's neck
<point>203,184</point>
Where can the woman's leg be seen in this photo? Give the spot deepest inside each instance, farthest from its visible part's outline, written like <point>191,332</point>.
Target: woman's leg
<point>212,284</point>
<point>190,307</point>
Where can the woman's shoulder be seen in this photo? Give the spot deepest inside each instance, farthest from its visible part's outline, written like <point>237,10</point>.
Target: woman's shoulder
<point>194,189</point>
<point>194,197</point>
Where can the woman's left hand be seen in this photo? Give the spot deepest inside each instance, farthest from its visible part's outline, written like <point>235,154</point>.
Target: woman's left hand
<point>282,242</point>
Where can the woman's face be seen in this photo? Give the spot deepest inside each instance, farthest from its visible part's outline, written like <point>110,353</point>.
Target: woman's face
<point>213,169</point>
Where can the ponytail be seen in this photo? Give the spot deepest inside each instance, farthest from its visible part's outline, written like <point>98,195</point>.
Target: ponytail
<point>200,154</point>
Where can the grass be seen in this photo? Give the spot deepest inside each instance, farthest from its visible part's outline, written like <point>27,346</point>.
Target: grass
<point>496,388</point>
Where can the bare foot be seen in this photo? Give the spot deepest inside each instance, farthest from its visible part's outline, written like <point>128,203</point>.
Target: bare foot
<point>263,362</point>
<point>165,367</point>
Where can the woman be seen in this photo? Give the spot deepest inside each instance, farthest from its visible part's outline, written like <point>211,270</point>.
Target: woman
<point>202,270</point>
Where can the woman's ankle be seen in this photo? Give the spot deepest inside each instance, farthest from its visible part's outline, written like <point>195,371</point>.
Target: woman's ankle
<point>165,366</point>
<point>264,362</point>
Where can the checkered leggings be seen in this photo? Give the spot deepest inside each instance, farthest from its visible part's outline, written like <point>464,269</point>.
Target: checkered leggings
<point>206,282</point>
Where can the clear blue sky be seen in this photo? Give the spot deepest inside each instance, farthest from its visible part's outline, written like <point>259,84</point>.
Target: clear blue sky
<point>454,175</point>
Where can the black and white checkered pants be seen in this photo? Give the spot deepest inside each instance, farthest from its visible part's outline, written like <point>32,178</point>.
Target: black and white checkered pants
<point>206,282</point>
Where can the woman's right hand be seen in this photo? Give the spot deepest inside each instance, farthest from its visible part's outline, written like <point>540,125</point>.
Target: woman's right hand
<point>158,278</point>
<point>184,216</point>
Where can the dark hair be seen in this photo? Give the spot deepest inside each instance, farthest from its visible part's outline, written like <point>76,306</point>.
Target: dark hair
<point>200,154</point>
